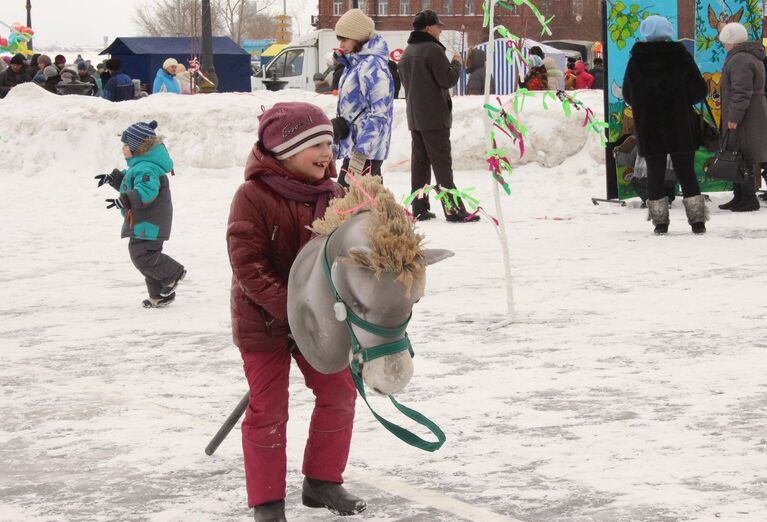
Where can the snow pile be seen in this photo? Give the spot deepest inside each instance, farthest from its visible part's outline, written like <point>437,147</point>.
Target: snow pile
<point>218,130</point>
<point>630,386</point>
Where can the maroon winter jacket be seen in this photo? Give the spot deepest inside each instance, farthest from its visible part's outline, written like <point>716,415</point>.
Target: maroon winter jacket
<point>264,234</point>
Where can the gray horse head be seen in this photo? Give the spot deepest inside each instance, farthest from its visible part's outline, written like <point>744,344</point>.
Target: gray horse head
<point>362,274</point>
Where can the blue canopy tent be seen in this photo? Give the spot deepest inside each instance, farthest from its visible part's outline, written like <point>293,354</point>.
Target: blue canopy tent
<point>142,57</point>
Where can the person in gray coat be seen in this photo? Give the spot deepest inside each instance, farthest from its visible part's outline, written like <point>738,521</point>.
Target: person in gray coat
<point>744,110</point>
<point>427,75</point>
<point>475,66</point>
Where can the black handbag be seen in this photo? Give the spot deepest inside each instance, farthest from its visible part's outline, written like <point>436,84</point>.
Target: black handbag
<point>727,165</point>
<point>707,134</point>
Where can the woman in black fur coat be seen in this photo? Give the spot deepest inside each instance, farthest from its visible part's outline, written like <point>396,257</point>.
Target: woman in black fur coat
<point>662,84</point>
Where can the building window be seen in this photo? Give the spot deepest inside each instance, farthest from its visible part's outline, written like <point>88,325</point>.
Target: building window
<point>338,7</point>
<point>447,7</point>
<point>362,6</point>
<point>383,7</point>
<point>425,4</point>
<point>468,7</point>
<point>404,7</point>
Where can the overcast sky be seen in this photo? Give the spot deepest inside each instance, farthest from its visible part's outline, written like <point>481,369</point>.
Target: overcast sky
<point>85,22</point>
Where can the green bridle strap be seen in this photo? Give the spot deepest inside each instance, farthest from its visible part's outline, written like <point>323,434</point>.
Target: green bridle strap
<point>381,331</point>
<point>382,350</point>
<point>401,433</point>
<point>375,352</point>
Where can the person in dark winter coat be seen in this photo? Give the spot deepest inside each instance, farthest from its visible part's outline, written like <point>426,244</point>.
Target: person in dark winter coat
<point>661,84</point>
<point>14,75</point>
<point>338,71</point>
<point>395,76</point>
<point>365,96</point>
<point>120,86</point>
<point>52,79</point>
<point>83,76</point>
<point>427,76</point>
<point>598,72</point>
<point>147,210</point>
<point>744,110</point>
<point>288,184</point>
<point>320,85</point>
<point>475,66</point>
<point>32,67</point>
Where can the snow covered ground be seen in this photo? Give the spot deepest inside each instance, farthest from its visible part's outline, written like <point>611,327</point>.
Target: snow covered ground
<point>631,386</point>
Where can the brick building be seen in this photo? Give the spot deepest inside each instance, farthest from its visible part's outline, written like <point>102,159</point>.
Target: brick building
<point>573,19</point>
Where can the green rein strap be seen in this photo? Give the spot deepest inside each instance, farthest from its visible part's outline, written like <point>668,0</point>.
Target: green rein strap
<point>382,350</point>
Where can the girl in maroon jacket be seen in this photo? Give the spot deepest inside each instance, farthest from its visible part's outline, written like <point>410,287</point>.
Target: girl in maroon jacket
<point>287,185</point>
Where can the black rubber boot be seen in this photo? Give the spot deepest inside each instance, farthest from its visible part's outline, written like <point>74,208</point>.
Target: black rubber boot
<point>321,493</point>
<point>270,512</point>
<point>737,194</point>
<point>457,212</point>
<point>159,301</point>
<point>748,201</point>
<point>421,210</point>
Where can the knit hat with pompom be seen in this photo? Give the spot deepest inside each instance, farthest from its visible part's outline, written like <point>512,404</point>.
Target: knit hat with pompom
<point>135,135</point>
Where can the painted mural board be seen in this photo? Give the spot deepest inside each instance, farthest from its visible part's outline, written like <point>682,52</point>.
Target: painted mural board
<point>623,19</point>
<point>710,17</point>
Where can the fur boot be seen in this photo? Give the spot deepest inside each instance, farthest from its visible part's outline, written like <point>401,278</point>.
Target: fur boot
<point>657,212</point>
<point>697,213</point>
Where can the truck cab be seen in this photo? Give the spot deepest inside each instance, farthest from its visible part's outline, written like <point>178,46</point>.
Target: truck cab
<point>297,63</point>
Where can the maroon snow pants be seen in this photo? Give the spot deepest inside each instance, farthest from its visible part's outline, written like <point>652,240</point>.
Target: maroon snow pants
<point>264,426</point>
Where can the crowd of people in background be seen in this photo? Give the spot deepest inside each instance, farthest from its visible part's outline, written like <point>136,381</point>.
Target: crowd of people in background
<point>543,74</point>
<point>106,80</point>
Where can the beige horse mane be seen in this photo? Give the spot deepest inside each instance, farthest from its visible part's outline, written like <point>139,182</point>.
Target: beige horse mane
<point>395,245</point>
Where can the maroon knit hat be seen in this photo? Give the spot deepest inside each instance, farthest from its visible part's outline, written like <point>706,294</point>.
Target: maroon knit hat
<point>290,127</point>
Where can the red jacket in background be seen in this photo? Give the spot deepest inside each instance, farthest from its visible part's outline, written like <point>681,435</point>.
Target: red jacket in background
<point>263,237</point>
<point>583,79</point>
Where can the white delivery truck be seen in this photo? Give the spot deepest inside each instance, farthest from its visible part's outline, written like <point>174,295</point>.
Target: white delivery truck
<point>297,63</point>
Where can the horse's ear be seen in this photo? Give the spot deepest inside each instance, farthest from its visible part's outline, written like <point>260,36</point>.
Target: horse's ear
<point>435,255</point>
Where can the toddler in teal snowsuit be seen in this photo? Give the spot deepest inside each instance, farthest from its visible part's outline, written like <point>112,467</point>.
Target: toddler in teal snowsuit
<point>147,210</point>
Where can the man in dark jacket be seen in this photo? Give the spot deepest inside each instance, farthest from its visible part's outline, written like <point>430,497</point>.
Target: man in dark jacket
<point>85,77</point>
<point>13,75</point>
<point>395,76</point>
<point>475,66</point>
<point>338,71</point>
<point>598,72</point>
<point>120,86</point>
<point>427,76</point>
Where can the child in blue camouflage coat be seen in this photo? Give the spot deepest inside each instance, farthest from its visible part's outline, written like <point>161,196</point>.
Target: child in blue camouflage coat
<point>365,96</point>
<point>147,210</point>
